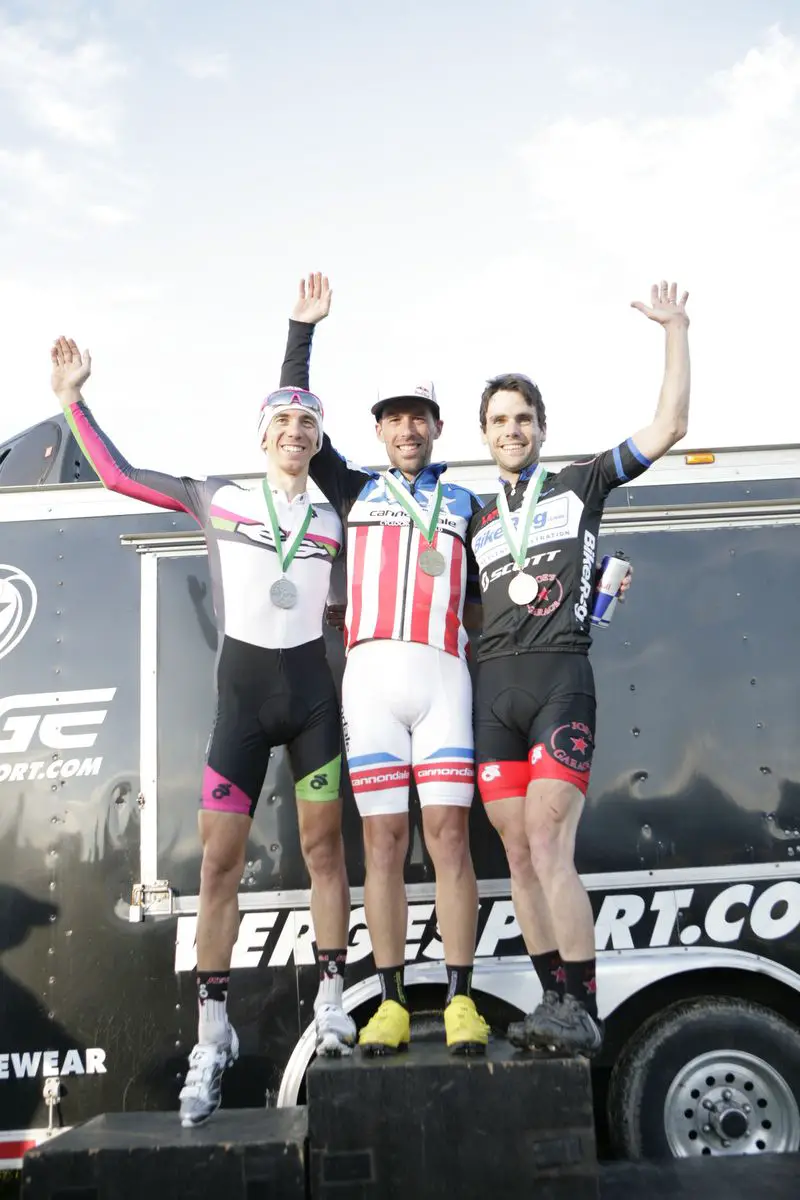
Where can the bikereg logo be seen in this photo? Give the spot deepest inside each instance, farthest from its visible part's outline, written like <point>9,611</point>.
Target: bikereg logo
<point>18,602</point>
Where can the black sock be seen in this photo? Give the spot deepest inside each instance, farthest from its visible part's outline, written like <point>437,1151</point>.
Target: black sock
<point>581,983</point>
<point>459,981</point>
<point>213,985</point>
<point>550,969</point>
<point>392,986</point>
<point>331,964</point>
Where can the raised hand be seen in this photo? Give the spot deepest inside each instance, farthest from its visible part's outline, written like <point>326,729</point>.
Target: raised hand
<point>70,367</point>
<point>313,300</point>
<point>665,308</point>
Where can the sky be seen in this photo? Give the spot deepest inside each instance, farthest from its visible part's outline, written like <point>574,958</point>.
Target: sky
<point>488,187</point>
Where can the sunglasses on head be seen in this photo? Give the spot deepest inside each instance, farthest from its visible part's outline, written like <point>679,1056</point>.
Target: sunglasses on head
<point>287,397</point>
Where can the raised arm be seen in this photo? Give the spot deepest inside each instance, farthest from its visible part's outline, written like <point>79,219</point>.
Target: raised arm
<point>671,419</point>
<point>312,305</point>
<point>338,480</point>
<point>70,370</point>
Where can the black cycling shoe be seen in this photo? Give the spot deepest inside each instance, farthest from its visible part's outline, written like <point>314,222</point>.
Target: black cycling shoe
<point>567,1026</point>
<point>522,1033</point>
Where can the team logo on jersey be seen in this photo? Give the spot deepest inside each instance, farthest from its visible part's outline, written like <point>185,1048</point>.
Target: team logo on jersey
<point>587,576</point>
<point>551,593</point>
<point>555,520</point>
<point>18,601</point>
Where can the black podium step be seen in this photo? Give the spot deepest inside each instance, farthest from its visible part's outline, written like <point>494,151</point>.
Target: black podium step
<point>240,1154</point>
<point>424,1125</point>
<point>739,1177</point>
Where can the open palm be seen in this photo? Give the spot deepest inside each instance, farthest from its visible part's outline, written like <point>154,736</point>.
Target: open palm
<point>313,300</point>
<point>70,368</point>
<point>665,308</point>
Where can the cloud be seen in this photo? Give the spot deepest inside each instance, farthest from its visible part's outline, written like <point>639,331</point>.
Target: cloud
<point>59,84</point>
<point>107,214</point>
<point>709,195</point>
<point>204,64</point>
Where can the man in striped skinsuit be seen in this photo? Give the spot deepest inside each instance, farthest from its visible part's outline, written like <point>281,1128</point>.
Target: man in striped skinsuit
<point>407,695</point>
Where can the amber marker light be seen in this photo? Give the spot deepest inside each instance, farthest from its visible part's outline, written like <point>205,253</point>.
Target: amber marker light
<point>697,460</point>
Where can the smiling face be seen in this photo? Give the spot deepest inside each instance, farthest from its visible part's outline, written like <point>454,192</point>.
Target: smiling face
<point>512,431</point>
<point>290,440</point>
<point>408,430</point>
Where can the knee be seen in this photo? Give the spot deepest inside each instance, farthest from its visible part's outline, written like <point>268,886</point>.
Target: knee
<point>448,842</point>
<point>221,869</point>
<point>323,852</point>
<point>518,854</point>
<point>385,845</point>
<point>550,839</point>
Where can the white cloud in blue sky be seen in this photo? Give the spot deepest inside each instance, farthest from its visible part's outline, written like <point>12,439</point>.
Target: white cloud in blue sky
<point>487,186</point>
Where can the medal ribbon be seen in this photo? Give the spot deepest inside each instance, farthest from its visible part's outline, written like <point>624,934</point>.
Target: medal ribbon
<point>285,553</point>
<point>412,508</point>
<point>517,539</point>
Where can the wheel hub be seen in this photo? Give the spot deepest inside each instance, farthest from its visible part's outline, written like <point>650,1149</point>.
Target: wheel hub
<point>729,1102</point>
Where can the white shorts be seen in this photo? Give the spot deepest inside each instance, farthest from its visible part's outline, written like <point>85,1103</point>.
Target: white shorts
<point>406,705</point>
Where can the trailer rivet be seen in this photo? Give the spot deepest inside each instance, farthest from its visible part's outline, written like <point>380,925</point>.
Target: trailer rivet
<point>765,770</point>
<point>635,731</point>
<point>52,885</point>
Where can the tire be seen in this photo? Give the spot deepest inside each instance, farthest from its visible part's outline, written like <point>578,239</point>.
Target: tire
<point>741,1058</point>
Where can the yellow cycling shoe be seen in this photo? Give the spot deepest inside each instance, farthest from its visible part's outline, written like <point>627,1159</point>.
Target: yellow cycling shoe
<point>467,1032</point>
<point>388,1031</point>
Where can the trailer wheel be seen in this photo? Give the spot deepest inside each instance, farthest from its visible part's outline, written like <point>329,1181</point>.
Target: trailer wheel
<point>710,1076</point>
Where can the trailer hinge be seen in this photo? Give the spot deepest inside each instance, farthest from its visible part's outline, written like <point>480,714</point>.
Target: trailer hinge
<point>147,896</point>
<point>52,1098</point>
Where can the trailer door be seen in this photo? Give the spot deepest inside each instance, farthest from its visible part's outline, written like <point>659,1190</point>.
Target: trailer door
<point>178,658</point>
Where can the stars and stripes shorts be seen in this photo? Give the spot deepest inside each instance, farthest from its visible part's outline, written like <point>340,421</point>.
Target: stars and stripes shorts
<point>407,711</point>
<point>534,719</point>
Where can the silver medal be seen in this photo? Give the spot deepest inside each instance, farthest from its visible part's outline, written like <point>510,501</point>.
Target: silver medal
<point>283,593</point>
<point>432,562</point>
<point>523,589</point>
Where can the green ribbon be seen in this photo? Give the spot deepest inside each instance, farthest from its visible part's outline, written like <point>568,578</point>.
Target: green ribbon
<point>285,553</point>
<point>517,539</point>
<point>410,506</point>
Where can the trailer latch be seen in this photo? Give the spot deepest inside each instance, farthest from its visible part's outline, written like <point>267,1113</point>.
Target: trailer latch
<point>147,896</point>
<point>52,1095</point>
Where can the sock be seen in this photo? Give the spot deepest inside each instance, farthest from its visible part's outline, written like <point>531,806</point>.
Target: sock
<point>392,984</point>
<point>459,982</point>
<point>581,984</point>
<point>550,969</point>
<point>331,965</point>
<point>212,1004</point>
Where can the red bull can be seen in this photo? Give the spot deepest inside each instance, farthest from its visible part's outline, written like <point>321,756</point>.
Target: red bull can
<point>613,570</point>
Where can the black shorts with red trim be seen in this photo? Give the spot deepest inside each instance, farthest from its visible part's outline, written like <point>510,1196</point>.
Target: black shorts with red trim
<point>534,719</point>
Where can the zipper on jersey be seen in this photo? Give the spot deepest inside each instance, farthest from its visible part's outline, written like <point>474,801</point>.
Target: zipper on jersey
<point>405,580</point>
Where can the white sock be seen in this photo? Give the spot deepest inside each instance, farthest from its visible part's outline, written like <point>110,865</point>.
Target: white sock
<point>212,1016</point>
<point>331,990</point>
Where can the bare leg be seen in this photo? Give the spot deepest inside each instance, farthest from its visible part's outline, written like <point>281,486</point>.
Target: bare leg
<point>385,849</point>
<point>446,831</point>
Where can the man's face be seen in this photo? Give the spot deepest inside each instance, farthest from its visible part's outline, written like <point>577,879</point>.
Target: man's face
<point>512,433</point>
<point>408,430</point>
<point>291,440</point>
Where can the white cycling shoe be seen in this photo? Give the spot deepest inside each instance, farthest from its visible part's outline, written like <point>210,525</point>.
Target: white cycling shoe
<point>335,1029</point>
<point>202,1090</point>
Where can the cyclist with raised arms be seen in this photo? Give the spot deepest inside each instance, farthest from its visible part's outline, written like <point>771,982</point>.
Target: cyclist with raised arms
<point>270,553</point>
<point>535,545</point>
<point>406,693</point>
